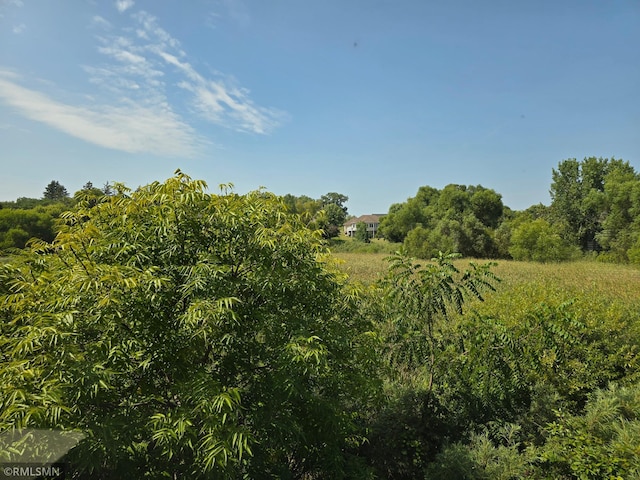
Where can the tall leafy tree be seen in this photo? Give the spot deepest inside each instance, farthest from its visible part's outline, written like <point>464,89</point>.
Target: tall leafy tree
<point>335,217</point>
<point>327,213</point>
<point>487,206</point>
<point>334,198</point>
<point>621,222</point>
<point>188,335</point>
<point>403,217</point>
<point>457,218</point>
<point>538,241</point>
<point>578,198</point>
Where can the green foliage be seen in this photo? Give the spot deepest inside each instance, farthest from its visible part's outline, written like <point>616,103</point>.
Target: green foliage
<point>455,219</point>
<point>187,335</point>
<point>412,304</point>
<point>23,203</point>
<point>487,207</point>
<point>362,234</point>
<point>537,240</point>
<point>403,217</point>
<point>603,442</point>
<point>634,253</point>
<point>579,195</point>
<point>18,226</point>
<point>334,198</point>
<point>55,191</point>
<point>304,206</point>
<point>350,245</point>
<point>488,455</point>
<point>480,406</point>
<point>621,225</point>
<point>327,213</point>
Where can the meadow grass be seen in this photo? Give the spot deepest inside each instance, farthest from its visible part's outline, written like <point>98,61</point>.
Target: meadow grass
<point>344,244</point>
<point>596,287</point>
<point>613,280</point>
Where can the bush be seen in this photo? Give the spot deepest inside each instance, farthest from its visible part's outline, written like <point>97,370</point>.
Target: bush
<point>536,240</point>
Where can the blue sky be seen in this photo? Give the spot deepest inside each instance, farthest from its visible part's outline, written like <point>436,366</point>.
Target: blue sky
<point>369,98</point>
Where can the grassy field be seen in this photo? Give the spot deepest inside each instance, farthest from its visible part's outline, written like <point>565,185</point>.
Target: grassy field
<point>598,287</point>
<point>613,279</point>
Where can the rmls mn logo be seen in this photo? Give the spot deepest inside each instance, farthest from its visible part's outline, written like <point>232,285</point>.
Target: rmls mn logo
<point>19,471</point>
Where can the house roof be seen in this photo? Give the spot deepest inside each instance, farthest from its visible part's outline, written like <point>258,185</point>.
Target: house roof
<point>373,218</point>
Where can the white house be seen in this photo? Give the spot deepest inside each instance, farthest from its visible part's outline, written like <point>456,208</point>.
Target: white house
<point>372,222</point>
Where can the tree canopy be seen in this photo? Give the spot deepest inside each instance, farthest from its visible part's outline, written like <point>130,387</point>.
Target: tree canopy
<point>186,334</point>
<point>327,213</point>
<point>457,218</point>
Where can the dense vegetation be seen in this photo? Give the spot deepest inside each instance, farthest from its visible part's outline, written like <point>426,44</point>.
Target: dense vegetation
<point>189,334</point>
<point>595,209</point>
<point>539,381</point>
<point>28,218</point>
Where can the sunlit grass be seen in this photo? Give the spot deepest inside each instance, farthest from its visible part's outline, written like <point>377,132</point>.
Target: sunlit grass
<point>601,288</point>
<point>344,244</point>
<point>620,281</point>
<point>363,267</point>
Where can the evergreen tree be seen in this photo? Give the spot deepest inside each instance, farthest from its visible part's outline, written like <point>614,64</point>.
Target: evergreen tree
<point>55,191</point>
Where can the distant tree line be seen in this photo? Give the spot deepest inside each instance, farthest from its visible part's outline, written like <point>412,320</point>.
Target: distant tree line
<point>27,218</point>
<point>595,210</point>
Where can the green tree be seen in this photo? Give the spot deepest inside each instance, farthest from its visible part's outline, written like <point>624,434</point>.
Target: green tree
<point>335,217</point>
<point>362,234</point>
<point>303,205</point>
<point>419,297</point>
<point>578,198</point>
<point>621,223</point>
<point>455,219</point>
<point>413,304</point>
<point>188,335</point>
<point>403,217</point>
<point>18,226</point>
<point>334,198</point>
<point>487,206</point>
<point>89,194</point>
<point>537,240</point>
<point>55,191</point>
<point>601,443</point>
<point>107,189</point>
<point>327,214</point>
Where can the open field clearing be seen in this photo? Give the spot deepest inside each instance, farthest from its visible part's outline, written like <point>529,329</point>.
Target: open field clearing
<point>533,282</point>
<point>620,281</point>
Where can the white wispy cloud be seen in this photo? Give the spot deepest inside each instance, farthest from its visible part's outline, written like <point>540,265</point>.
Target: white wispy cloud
<point>128,127</point>
<point>217,99</point>
<point>19,28</point>
<point>124,5</point>
<point>143,81</point>
<point>101,22</point>
<point>150,60</point>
